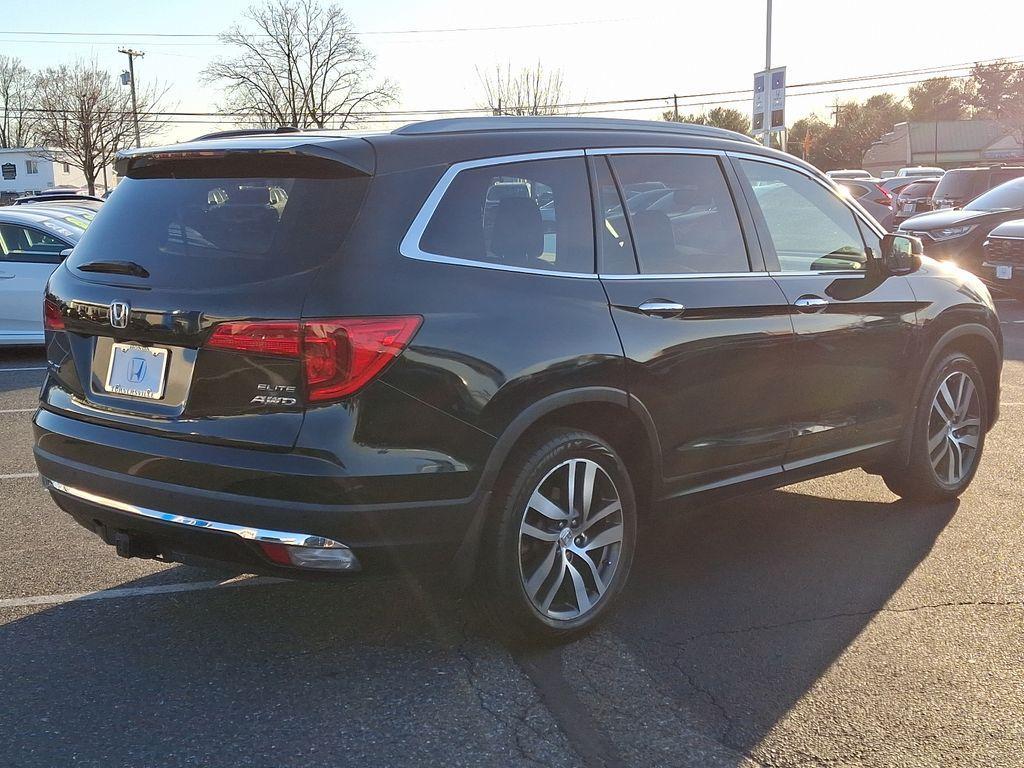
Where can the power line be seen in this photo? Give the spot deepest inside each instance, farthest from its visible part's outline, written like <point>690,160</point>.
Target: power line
<point>636,104</point>
<point>410,31</point>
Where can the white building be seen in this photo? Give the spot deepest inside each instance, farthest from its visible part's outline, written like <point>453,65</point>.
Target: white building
<point>24,171</point>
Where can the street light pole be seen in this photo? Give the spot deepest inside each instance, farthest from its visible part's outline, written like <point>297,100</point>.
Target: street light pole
<point>766,137</point>
<point>131,81</point>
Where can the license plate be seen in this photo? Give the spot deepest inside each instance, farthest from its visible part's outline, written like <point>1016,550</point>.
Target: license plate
<point>137,371</point>
<point>910,207</point>
<point>1004,272</point>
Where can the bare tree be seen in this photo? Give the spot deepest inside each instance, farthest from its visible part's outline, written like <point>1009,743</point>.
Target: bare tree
<point>298,63</point>
<point>86,116</point>
<point>16,95</point>
<point>530,91</point>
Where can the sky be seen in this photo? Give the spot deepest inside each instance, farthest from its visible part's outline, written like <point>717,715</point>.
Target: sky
<point>605,50</point>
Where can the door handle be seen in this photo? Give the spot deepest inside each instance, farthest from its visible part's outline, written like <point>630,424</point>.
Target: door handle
<point>810,304</point>
<point>662,308</point>
<point>6,276</point>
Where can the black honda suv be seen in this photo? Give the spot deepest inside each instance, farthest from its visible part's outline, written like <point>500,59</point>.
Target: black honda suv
<point>498,342</point>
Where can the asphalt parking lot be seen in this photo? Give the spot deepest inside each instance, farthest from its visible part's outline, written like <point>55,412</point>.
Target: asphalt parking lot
<point>823,624</point>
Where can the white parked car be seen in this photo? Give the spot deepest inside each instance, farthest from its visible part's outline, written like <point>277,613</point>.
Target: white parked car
<point>32,239</point>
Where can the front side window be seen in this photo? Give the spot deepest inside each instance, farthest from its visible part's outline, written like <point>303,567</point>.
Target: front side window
<point>811,229</point>
<point>681,214</point>
<point>534,214</point>
<point>18,243</point>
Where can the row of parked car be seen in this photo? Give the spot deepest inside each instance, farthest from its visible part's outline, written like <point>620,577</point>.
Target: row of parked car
<point>972,216</point>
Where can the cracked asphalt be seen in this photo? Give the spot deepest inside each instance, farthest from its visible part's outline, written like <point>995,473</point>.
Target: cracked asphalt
<point>823,624</point>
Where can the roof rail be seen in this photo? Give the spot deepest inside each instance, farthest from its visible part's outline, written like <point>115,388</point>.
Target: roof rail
<point>246,132</point>
<point>477,124</point>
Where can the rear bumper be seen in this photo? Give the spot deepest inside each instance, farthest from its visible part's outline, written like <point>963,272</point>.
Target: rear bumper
<point>99,476</point>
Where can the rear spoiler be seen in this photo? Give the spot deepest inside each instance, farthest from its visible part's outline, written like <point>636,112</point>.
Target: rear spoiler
<point>353,156</point>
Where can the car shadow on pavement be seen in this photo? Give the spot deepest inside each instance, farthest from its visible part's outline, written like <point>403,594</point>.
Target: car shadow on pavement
<point>732,615</point>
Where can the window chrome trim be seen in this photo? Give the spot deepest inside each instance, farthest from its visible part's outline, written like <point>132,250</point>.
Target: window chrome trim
<point>410,245</point>
<point>596,151</point>
<point>685,276</point>
<point>242,531</point>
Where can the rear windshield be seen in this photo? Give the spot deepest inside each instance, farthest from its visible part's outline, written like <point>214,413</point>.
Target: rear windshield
<point>918,189</point>
<point>1005,197</point>
<point>962,185</point>
<point>183,219</point>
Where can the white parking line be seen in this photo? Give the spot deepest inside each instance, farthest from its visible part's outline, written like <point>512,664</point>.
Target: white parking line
<point>15,370</point>
<point>18,410</point>
<point>19,475</point>
<point>122,592</point>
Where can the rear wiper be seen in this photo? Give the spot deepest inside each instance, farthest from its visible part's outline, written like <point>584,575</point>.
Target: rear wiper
<point>115,268</point>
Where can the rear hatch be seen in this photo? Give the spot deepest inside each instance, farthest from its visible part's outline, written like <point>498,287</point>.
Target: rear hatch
<point>960,186</point>
<point>191,239</point>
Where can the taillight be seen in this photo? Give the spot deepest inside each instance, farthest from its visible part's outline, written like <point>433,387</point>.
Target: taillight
<point>53,320</point>
<point>281,338</point>
<point>886,198</point>
<point>339,355</point>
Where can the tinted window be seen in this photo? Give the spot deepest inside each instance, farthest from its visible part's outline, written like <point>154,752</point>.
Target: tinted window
<point>686,221</point>
<point>615,246</point>
<point>232,221</point>
<point>962,184</point>
<point>1004,197</point>
<point>810,228</point>
<point>857,191</point>
<point>18,243</point>
<point>918,189</point>
<point>535,214</point>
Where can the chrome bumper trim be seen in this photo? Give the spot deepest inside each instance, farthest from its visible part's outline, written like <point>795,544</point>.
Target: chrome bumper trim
<point>245,532</point>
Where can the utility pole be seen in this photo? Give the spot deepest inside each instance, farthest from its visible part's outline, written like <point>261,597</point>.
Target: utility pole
<point>131,81</point>
<point>675,107</point>
<point>766,137</point>
<point>836,109</point>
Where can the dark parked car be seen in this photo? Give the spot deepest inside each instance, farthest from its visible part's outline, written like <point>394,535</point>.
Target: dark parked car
<point>1004,257</point>
<point>377,374</point>
<point>913,199</point>
<point>957,234</point>
<point>961,185</point>
<point>874,198</point>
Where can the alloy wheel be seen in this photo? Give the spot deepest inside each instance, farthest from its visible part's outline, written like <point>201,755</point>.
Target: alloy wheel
<point>954,428</point>
<point>570,539</point>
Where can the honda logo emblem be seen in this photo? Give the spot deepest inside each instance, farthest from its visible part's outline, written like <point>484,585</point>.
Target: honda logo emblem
<point>119,314</point>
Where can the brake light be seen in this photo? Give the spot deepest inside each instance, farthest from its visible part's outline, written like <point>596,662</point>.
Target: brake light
<point>53,320</point>
<point>339,355</point>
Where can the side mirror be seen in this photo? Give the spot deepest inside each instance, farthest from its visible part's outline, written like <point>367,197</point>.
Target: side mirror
<point>65,253</point>
<point>901,254</point>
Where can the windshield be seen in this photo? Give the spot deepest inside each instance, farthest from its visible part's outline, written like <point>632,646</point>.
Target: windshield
<point>1005,197</point>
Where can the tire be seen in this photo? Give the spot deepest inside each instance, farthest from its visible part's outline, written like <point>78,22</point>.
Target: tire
<point>546,583</point>
<point>949,434</point>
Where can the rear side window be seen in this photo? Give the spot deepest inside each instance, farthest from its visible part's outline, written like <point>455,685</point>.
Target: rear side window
<point>529,215</point>
<point>230,221</point>
<point>681,214</point>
